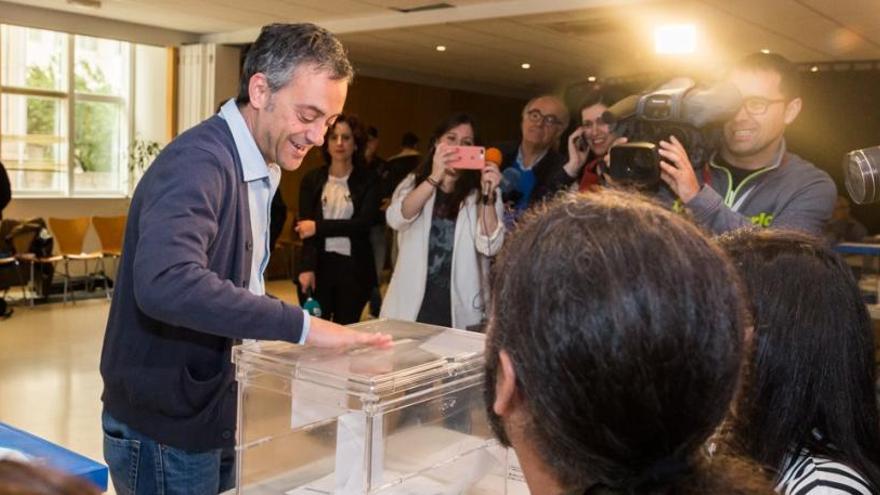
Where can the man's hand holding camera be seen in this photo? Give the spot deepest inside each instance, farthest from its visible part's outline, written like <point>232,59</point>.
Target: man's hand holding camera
<point>676,170</point>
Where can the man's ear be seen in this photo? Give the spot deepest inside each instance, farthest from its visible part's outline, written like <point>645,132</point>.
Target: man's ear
<point>792,109</point>
<point>505,386</point>
<point>259,91</point>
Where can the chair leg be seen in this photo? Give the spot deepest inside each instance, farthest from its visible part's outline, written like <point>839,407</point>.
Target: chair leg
<point>66,281</point>
<point>21,282</point>
<point>33,285</point>
<point>106,283</point>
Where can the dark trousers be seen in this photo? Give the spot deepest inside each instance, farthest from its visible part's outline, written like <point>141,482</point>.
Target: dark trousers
<point>341,295</point>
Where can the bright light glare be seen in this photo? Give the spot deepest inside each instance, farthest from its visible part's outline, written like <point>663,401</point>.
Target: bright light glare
<point>675,39</point>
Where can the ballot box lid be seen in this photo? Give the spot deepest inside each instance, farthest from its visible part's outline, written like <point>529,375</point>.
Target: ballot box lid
<point>421,355</point>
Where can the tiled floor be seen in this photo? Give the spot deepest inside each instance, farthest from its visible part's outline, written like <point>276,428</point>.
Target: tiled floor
<point>49,379</point>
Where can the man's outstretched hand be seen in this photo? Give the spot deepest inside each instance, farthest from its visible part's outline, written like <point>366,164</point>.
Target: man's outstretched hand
<point>323,333</point>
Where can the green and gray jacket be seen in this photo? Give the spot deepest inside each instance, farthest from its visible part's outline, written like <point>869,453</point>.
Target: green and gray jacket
<point>792,193</point>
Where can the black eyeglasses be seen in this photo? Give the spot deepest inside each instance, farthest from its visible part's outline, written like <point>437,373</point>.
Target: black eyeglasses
<point>536,117</point>
<point>756,105</point>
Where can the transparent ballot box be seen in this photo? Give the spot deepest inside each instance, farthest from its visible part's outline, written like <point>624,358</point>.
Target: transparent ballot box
<point>405,420</point>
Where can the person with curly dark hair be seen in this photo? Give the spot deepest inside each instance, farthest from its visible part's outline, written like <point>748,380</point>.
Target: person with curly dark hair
<point>613,351</point>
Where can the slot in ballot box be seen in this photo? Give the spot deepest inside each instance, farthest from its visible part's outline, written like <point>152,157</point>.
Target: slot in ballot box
<point>43,452</point>
<point>406,420</point>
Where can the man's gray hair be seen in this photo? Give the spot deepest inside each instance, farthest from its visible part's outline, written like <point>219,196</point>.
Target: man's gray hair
<point>282,48</point>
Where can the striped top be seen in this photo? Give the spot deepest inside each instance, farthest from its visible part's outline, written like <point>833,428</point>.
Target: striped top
<point>807,474</point>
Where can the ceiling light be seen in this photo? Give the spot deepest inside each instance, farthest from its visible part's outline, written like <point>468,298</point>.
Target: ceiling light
<point>765,51</point>
<point>675,39</point>
<point>441,48</point>
<point>814,68</point>
<point>90,4</point>
<point>591,79</point>
<point>526,66</point>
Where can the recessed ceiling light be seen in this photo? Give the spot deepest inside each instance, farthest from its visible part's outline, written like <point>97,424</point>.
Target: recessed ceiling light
<point>814,68</point>
<point>591,79</point>
<point>765,51</point>
<point>441,48</point>
<point>675,39</point>
<point>526,66</point>
<point>89,4</point>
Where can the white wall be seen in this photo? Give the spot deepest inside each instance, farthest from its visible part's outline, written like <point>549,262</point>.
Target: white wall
<point>150,97</point>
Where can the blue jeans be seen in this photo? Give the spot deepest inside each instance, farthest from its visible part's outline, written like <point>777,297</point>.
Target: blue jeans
<point>141,466</point>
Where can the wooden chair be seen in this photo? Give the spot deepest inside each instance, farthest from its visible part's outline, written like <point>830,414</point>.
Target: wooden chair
<point>69,236</point>
<point>110,231</point>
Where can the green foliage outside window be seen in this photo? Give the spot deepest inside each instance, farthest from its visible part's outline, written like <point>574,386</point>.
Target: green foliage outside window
<point>96,124</point>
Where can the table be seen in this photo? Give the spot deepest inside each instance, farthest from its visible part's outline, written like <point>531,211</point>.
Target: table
<point>54,455</point>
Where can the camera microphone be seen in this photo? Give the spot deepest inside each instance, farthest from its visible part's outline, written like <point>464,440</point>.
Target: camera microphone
<point>493,156</point>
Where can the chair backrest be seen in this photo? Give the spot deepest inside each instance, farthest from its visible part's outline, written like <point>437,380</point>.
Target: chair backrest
<point>69,233</point>
<point>22,241</point>
<point>6,226</point>
<point>110,231</point>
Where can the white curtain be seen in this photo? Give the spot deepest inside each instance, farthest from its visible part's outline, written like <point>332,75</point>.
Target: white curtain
<point>196,88</point>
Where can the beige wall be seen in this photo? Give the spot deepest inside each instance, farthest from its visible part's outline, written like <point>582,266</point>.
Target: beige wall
<point>226,64</point>
<point>24,208</point>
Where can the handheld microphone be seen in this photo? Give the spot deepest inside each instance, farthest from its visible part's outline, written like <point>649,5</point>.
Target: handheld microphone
<point>494,156</point>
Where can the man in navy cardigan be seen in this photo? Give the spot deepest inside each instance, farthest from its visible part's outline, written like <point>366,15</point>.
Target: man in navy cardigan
<point>190,282</point>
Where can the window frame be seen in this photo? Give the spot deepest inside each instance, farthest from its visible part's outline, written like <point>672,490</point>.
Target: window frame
<point>69,98</point>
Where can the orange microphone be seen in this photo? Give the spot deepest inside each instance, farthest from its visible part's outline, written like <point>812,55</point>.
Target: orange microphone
<point>493,156</point>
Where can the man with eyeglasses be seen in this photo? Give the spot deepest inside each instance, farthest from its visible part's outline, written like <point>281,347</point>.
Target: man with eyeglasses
<point>536,157</point>
<point>754,179</point>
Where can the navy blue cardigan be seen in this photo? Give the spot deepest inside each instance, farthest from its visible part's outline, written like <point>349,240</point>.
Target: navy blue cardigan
<point>182,298</point>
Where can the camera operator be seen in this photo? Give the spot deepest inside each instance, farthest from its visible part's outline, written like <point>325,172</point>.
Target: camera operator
<point>754,179</point>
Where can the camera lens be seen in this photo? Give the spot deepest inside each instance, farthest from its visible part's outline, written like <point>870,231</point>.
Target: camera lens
<point>861,170</point>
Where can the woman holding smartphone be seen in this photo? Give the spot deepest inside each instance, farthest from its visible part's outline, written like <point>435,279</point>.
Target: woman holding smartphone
<point>338,204</point>
<point>590,142</point>
<point>447,223</point>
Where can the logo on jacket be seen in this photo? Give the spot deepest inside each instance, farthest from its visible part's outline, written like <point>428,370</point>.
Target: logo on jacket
<point>762,220</point>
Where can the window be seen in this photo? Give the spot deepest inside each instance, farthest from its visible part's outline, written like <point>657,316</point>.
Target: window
<point>33,109</point>
<point>66,110</point>
<point>101,91</point>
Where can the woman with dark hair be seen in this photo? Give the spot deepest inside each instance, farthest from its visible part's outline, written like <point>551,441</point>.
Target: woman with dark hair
<point>447,222</point>
<point>614,348</point>
<point>809,408</point>
<point>337,206</point>
<point>590,142</point>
